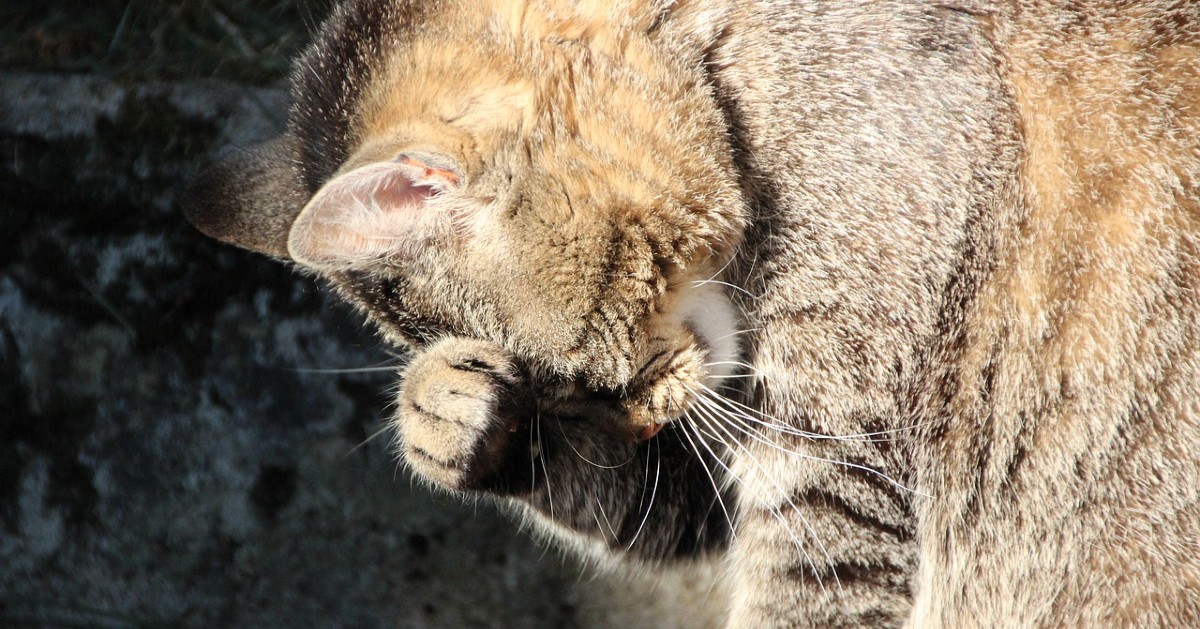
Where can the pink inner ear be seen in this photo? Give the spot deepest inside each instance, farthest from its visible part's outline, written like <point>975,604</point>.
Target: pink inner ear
<point>398,194</point>
<point>421,171</point>
<point>361,216</point>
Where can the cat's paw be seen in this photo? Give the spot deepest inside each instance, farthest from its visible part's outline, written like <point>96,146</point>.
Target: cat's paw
<point>458,409</point>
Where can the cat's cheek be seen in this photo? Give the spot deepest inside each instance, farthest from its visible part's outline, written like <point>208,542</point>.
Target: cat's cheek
<point>708,312</point>
<point>699,350</point>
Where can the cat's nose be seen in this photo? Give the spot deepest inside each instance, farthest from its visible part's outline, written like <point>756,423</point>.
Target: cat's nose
<point>648,432</point>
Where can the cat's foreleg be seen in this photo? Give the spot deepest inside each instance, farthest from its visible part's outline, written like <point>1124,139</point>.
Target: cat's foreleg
<point>468,422</point>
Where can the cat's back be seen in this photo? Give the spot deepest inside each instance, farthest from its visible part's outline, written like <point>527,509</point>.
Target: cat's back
<point>1097,82</point>
<point>1009,193</point>
<point>1045,155</point>
<point>1093,313</point>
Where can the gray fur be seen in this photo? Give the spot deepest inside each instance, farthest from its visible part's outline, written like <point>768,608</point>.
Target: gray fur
<point>964,237</point>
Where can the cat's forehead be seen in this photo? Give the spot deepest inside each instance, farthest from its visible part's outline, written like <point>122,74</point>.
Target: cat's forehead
<point>539,106</point>
<point>484,91</point>
<point>491,76</point>
<point>463,75</point>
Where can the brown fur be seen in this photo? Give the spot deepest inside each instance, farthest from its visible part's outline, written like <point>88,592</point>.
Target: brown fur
<point>969,231</point>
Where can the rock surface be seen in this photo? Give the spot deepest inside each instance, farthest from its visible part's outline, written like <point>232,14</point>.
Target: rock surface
<point>184,439</point>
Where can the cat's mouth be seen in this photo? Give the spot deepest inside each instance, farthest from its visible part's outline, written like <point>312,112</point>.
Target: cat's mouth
<point>689,357</point>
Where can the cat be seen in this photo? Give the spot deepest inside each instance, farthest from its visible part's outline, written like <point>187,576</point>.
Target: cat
<point>891,306</point>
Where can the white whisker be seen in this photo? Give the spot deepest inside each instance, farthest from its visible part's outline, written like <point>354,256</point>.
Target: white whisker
<point>611,530</point>
<point>733,286</point>
<point>723,267</point>
<point>735,333</point>
<point>735,363</point>
<point>545,472</point>
<point>372,436</point>
<point>387,368</point>
<point>653,491</point>
<point>711,478</point>
<point>536,429</point>
<point>395,362</point>
<point>772,423</point>
<point>587,460</point>
<point>713,424</point>
<point>744,428</point>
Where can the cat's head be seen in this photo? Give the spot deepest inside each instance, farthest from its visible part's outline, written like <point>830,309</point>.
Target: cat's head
<point>554,177</point>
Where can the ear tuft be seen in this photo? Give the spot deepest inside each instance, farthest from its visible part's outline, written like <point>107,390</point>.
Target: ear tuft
<point>372,212</point>
<point>250,198</point>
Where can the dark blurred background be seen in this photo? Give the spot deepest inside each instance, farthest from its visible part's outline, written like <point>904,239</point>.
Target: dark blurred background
<point>186,428</point>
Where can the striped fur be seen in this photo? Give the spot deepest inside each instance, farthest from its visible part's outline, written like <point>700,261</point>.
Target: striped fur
<point>964,243</point>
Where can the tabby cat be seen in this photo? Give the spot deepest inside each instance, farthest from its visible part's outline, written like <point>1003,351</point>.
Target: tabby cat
<point>893,306</point>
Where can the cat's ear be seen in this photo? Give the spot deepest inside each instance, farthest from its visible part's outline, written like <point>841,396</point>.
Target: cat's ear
<point>250,198</point>
<point>373,211</point>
